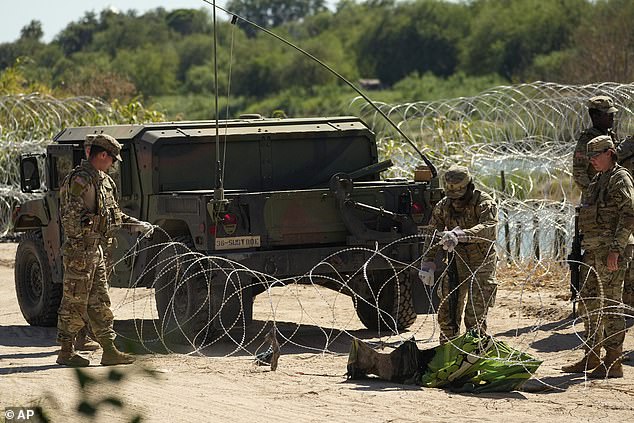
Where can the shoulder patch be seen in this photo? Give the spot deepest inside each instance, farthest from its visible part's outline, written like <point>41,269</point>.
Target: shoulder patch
<point>78,185</point>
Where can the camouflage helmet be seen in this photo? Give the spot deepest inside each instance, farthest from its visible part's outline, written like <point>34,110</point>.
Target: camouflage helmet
<point>602,103</point>
<point>106,142</point>
<point>456,180</point>
<point>598,145</point>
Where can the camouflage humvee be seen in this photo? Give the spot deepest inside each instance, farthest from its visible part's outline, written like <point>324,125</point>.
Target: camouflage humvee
<point>301,199</point>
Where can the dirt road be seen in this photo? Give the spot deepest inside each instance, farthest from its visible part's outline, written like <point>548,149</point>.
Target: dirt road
<point>223,385</point>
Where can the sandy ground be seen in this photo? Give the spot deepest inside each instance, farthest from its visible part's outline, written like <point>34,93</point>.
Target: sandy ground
<point>222,383</point>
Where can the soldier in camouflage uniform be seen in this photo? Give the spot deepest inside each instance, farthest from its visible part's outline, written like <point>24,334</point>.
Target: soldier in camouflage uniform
<point>601,110</point>
<point>625,154</point>
<point>89,211</point>
<point>606,220</point>
<point>467,219</point>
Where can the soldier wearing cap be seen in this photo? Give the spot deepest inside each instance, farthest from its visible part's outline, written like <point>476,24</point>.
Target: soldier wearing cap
<point>605,220</point>
<point>89,212</point>
<point>466,219</point>
<point>601,110</point>
<point>625,154</point>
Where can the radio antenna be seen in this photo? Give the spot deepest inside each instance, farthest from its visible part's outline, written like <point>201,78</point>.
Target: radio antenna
<point>334,72</point>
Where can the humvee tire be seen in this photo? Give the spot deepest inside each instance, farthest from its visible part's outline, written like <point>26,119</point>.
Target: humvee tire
<point>393,310</point>
<point>182,294</point>
<point>38,296</point>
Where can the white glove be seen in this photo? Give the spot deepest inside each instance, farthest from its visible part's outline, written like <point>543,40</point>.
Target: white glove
<point>144,228</point>
<point>426,272</point>
<point>450,239</point>
<point>462,237</point>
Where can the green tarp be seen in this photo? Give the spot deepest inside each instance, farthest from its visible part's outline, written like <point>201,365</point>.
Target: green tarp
<point>477,363</point>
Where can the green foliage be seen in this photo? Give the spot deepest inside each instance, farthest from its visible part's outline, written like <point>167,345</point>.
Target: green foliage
<point>415,37</point>
<point>13,80</point>
<point>506,35</point>
<point>135,112</point>
<point>130,32</point>
<point>272,13</point>
<point>152,71</point>
<point>327,100</point>
<point>32,31</point>
<point>77,35</point>
<point>417,87</point>
<point>198,106</point>
<point>188,21</point>
<point>419,49</point>
<point>194,51</point>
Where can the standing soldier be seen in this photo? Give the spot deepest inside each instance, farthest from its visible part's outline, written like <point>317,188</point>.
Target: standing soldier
<point>601,110</point>
<point>89,211</point>
<point>605,220</point>
<point>471,243</point>
<point>625,154</point>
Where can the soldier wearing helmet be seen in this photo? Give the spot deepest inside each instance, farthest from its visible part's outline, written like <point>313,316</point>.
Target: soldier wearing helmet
<point>605,221</point>
<point>466,220</point>
<point>601,110</point>
<point>89,212</point>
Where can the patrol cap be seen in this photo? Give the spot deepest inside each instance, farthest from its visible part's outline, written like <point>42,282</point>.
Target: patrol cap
<point>456,181</point>
<point>107,142</point>
<point>598,145</point>
<point>602,103</point>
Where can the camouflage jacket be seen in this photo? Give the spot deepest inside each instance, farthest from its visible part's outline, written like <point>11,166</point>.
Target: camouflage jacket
<point>625,153</point>
<point>89,208</point>
<point>582,170</point>
<point>478,219</point>
<point>606,218</point>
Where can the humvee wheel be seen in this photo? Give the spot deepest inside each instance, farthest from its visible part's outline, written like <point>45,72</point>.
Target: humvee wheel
<point>183,294</point>
<point>383,307</point>
<point>38,296</point>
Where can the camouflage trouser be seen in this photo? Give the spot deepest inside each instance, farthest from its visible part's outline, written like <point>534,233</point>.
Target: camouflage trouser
<point>476,285</point>
<point>85,298</point>
<point>600,301</point>
<point>628,284</point>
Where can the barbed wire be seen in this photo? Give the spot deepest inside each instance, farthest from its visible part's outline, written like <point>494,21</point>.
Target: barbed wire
<point>208,285</point>
<point>28,123</point>
<point>527,131</point>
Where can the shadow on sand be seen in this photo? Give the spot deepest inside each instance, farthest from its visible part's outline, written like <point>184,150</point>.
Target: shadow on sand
<point>141,337</point>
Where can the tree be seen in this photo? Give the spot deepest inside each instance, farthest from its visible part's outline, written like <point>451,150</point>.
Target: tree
<point>32,31</point>
<point>188,21</point>
<point>603,52</point>
<point>507,35</point>
<point>77,35</point>
<point>272,13</point>
<point>127,31</point>
<point>413,37</point>
<point>152,71</point>
<point>194,50</point>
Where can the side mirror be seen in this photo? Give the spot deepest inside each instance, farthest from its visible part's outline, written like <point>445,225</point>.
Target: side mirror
<point>29,174</point>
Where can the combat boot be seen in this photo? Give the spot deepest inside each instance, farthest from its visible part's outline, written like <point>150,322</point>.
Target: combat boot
<point>611,366</point>
<point>363,361</point>
<point>67,356</point>
<point>590,360</point>
<point>83,341</point>
<point>112,356</point>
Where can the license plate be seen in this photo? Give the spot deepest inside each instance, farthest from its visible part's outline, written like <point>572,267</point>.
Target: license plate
<point>237,242</point>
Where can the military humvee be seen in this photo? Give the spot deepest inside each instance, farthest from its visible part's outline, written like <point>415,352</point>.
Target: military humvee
<point>297,200</point>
